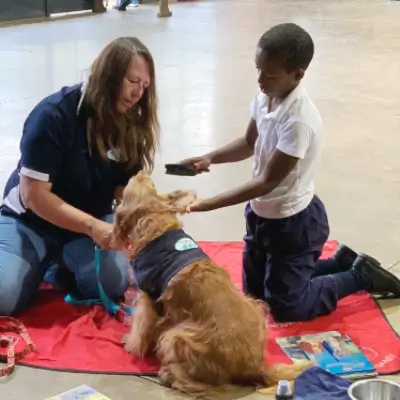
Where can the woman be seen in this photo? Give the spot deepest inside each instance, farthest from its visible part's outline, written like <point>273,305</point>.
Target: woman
<point>79,148</point>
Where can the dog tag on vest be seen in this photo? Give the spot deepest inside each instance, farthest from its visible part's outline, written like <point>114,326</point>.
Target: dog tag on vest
<point>185,244</point>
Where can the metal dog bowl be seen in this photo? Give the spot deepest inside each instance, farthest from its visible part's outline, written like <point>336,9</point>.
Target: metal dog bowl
<point>374,389</point>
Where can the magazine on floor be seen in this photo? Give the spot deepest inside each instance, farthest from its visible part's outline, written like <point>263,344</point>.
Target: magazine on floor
<point>82,392</point>
<point>332,351</point>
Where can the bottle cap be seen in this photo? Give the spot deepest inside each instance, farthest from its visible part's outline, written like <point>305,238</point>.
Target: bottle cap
<point>284,389</point>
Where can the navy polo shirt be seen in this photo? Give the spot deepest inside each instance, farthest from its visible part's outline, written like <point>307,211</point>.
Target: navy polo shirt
<point>54,148</point>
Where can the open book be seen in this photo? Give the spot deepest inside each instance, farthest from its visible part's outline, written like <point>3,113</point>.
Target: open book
<point>332,351</point>
<point>82,392</point>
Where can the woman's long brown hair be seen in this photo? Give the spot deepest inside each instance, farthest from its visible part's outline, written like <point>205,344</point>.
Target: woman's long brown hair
<point>133,136</point>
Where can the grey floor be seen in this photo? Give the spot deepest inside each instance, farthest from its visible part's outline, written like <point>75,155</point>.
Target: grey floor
<point>206,77</point>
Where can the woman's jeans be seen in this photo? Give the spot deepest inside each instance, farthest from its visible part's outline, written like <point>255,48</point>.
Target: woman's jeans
<point>25,259</point>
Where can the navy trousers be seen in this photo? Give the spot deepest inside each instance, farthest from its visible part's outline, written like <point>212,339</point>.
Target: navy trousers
<point>280,264</point>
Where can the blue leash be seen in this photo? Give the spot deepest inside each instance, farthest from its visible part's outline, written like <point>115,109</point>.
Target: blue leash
<point>111,307</point>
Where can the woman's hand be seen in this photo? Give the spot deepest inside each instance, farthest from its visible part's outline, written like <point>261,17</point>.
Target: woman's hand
<point>101,233</point>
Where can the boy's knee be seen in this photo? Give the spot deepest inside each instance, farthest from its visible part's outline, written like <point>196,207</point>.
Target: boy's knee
<point>289,315</point>
<point>297,313</point>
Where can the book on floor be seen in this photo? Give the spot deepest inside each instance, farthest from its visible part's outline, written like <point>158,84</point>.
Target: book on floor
<point>83,392</point>
<point>332,351</point>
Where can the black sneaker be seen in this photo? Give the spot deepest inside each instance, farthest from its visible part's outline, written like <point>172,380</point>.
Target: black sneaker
<point>344,258</point>
<point>378,279</point>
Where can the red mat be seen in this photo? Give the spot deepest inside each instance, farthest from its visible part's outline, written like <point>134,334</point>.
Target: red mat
<point>84,339</point>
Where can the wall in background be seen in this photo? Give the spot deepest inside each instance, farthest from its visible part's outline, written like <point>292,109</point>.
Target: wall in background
<point>11,10</point>
<point>14,10</point>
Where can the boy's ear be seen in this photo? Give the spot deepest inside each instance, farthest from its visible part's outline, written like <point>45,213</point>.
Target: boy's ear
<point>300,74</point>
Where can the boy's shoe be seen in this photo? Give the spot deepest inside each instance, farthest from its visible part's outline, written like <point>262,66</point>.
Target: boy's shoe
<point>379,280</point>
<point>344,258</point>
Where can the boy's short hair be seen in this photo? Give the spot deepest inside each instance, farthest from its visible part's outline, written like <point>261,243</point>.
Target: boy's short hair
<point>289,42</point>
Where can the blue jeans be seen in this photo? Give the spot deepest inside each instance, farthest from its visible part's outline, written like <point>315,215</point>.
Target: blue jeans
<point>24,261</point>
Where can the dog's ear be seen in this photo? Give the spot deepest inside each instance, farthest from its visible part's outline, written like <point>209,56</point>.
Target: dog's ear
<point>178,200</point>
<point>127,216</point>
<point>145,228</point>
<point>124,222</point>
<point>134,219</point>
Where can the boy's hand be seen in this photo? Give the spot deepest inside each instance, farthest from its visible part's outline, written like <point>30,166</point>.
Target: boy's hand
<point>199,205</point>
<point>200,164</point>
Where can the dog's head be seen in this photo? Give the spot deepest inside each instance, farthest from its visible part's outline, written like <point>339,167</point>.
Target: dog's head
<point>144,214</point>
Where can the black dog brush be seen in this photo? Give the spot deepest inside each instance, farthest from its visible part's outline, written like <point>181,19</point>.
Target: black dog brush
<point>180,170</point>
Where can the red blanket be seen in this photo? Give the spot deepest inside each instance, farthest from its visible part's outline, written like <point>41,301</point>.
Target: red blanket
<point>84,339</point>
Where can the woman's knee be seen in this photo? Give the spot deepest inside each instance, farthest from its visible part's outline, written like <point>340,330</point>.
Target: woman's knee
<point>21,252</point>
<point>16,291</point>
<point>112,271</point>
<point>19,281</point>
<point>8,305</point>
<point>11,294</point>
<point>114,274</point>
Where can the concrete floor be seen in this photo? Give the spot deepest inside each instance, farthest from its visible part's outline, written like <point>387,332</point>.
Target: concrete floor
<point>206,77</point>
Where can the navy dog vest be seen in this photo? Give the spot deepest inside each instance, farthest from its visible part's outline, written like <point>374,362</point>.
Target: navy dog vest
<point>162,259</point>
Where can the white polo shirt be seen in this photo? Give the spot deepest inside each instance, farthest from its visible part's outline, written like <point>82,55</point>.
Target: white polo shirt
<point>294,128</point>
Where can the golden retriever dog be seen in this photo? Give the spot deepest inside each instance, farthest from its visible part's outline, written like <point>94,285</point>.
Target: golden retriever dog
<point>207,336</point>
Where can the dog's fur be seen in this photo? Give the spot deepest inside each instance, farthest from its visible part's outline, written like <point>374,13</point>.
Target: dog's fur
<point>206,334</point>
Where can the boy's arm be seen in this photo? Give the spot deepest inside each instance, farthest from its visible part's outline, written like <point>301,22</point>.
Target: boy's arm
<point>277,169</point>
<point>292,146</point>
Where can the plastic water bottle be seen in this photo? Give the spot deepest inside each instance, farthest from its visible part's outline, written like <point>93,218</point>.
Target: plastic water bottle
<point>284,392</point>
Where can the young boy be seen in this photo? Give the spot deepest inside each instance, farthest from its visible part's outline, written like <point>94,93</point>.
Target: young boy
<point>287,224</point>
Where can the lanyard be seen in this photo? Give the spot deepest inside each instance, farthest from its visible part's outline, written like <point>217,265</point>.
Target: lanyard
<point>9,342</point>
<point>111,307</point>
